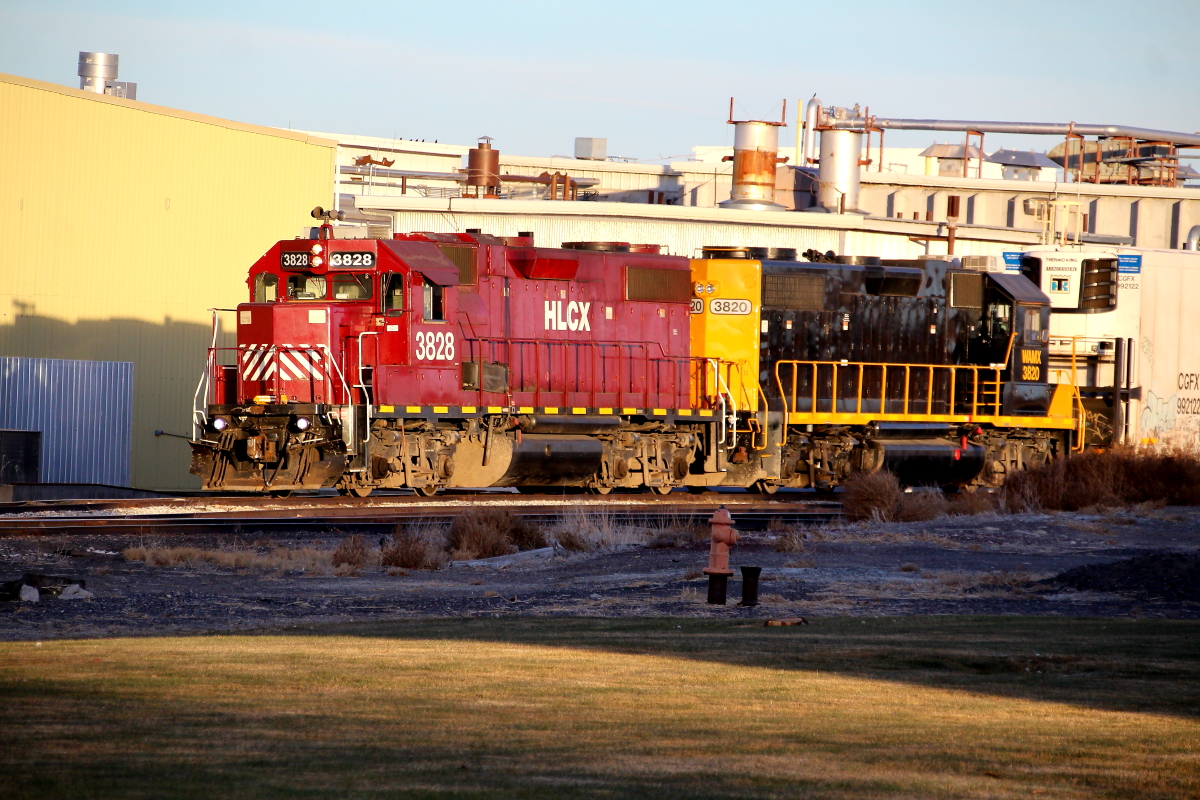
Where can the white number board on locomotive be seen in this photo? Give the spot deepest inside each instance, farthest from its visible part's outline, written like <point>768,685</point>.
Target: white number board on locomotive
<point>740,307</point>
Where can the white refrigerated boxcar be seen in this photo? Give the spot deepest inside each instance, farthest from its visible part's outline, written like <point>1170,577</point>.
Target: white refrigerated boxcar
<point>1126,328</point>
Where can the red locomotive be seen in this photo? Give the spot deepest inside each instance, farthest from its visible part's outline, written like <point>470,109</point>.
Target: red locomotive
<point>432,360</point>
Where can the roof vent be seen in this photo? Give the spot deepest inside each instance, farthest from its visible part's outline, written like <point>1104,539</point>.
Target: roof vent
<point>98,73</point>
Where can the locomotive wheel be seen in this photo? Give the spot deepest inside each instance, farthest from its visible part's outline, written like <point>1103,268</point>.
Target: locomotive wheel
<point>663,489</point>
<point>764,487</point>
<point>602,489</point>
<point>428,490</point>
<point>355,491</point>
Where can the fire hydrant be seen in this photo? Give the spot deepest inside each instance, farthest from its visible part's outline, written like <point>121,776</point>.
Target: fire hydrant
<point>718,571</point>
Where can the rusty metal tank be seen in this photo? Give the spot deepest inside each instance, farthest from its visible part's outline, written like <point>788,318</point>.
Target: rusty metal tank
<point>755,156</point>
<point>483,166</point>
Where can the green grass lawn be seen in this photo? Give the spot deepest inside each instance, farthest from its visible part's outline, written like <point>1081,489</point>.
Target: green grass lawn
<point>913,707</point>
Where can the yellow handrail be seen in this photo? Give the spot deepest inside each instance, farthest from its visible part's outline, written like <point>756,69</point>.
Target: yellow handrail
<point>978,387</point>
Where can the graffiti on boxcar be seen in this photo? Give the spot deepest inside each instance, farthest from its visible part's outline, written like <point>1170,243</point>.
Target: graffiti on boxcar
<point>1148,349</point>
<point>1158,416</point>
<point>1170,420</point>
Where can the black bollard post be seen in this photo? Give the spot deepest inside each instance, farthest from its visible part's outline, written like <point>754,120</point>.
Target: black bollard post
<point>750,586</point>
<point>717,585</point>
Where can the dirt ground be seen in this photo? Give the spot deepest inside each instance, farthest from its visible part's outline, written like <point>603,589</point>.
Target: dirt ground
<point>985,564</point>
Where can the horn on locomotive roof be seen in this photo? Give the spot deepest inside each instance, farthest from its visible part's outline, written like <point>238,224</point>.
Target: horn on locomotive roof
<point>320,213</point>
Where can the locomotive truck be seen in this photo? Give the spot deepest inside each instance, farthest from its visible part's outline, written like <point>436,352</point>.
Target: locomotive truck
<point>435,360</point>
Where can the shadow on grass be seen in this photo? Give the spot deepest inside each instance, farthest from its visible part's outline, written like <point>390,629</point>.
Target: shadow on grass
<point>451,708</point>
<point>1111,664</point>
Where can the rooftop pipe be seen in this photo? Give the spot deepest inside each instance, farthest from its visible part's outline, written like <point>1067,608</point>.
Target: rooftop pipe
<point>1036,128</point>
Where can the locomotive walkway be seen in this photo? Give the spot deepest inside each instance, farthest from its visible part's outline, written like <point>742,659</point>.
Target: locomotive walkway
<point>381,514</point>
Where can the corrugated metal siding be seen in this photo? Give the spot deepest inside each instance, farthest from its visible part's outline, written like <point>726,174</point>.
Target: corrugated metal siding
<point>124,223</point>
<point>84,410</point>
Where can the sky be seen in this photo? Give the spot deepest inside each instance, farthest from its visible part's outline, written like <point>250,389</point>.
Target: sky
<point>654,78</point>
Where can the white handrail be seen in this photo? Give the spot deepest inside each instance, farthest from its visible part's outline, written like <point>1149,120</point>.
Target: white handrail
<point>367,395</point>
<point>732,417</point>
<point>199,417</point>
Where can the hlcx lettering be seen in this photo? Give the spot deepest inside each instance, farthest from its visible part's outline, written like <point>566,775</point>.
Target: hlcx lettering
<point>570,316</point>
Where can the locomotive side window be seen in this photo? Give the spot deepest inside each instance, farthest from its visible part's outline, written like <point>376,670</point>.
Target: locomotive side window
<point>393,294</point>
<point>1034,325</point>
<point>306,287</point>
<point>266,288</point>
<point>434,305</point>
<point>352,286</point>
<point>999,319</point>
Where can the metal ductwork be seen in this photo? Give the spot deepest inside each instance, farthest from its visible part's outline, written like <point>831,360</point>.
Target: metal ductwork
<point>1193,239</point>
<point>811,110</point>
<point>1035,128</point>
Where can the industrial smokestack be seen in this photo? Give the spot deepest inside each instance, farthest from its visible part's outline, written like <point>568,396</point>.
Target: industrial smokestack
<point>838,174</point>
<point>98,73</point>
<point>755,155</point>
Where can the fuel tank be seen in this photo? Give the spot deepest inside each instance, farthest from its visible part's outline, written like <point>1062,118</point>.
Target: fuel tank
<point>553,460</point>
<point>929,462</point>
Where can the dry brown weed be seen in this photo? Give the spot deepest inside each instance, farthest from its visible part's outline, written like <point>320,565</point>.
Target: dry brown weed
<point>920,506</point>
<point>871,496</point>
<point>415,548</point>
<point>792,541</point>
<point>350,554</point>
<point>489,532</point>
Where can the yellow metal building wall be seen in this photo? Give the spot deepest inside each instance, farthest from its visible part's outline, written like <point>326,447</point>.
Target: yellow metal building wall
<point>123,224</point>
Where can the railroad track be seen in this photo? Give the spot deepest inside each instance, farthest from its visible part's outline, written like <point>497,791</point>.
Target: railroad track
<point>258,515</point>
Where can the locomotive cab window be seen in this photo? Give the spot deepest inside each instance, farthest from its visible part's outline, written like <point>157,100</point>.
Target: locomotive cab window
<point>266,288</point>
<point>435,309</point>
<point>1033,326</point>
<point>306,287</point>
<point>352,286</point>
<point>393,294</point>
<point>999,319</point>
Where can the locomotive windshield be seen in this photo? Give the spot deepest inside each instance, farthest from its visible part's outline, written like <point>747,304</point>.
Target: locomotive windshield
<point>346,286</point>
<point>266,288</point>
<point>352,286</point>
<point>306,287</point>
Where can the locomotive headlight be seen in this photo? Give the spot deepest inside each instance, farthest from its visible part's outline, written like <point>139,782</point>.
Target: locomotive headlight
<point>710,288</point>
<point>316,262</point>
<point>218,424</point>
<point>302,423</point>
<point>316,248</point>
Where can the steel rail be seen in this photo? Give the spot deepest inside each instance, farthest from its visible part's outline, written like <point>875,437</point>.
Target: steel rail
<point>755,515</point>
